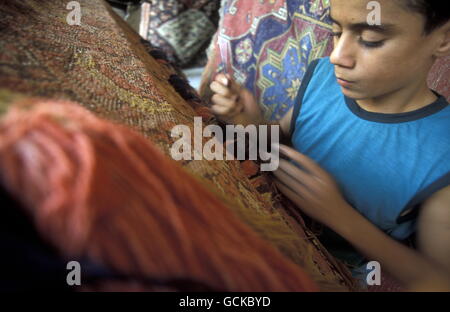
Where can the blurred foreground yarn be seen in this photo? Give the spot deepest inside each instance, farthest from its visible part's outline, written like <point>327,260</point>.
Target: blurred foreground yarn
<point>102,191</point>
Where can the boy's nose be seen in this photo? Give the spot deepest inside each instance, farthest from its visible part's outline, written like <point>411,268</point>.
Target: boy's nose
<point>343,53</point>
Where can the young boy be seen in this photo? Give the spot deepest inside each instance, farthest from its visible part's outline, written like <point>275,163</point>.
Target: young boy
<point>372,139</point>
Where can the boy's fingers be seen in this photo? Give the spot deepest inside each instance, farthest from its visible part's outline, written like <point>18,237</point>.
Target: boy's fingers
<point>227,81</point>
<point>234,106</point>
<point>299,189</point>
<point>294,196</point>
<point>219,110</point>
<point>223,111</point>
<point>296,174</point>
<point>288,180</point>
<point>230,98</point>
<point>303,160</point>
<point>221,89</point>
<point>223,79</point>
<point>221,100</point>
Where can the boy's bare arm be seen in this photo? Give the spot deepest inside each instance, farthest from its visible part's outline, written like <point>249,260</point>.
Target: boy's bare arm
<point>434,229</point>
<point>427,269</point>
<point>316,193</point>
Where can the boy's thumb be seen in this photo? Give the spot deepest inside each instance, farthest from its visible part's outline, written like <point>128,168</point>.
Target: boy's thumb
<point>225,80</point>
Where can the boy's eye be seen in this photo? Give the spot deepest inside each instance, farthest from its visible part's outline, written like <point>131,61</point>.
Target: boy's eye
<point>361,41</point>
<point>371,39</point>
<point>371,44</point>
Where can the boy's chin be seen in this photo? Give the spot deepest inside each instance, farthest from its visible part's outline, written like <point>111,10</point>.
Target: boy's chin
<point>354,94</point>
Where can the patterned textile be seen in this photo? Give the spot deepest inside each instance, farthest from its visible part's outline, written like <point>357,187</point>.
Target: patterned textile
<point>103,65</point>
<point>270,44</point>
<point>439,78</point>
<point>182,28</point>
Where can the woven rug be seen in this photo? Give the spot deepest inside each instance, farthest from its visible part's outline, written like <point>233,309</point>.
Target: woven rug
<point>182,28</point>
<point>439,78</point>
<point>267,47</point>
<point>103,65</point>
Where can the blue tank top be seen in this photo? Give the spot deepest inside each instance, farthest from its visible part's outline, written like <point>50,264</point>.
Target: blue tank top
<point>385,164</point>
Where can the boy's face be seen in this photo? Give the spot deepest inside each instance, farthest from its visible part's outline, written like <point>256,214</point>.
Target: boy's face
<point>372,62</point>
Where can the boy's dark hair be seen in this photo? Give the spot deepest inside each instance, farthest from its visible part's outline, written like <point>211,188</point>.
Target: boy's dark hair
<point>436,12</point>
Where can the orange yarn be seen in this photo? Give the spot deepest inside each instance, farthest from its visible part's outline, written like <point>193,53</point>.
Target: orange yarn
<point>101,190</point>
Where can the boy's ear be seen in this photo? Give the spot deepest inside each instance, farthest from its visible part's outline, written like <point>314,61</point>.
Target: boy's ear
<point>443,48</point>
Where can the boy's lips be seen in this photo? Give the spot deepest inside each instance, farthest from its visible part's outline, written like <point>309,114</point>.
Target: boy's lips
<point>343,82</point>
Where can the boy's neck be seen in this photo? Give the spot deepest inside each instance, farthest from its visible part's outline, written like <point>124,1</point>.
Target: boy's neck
<point>400,101</point>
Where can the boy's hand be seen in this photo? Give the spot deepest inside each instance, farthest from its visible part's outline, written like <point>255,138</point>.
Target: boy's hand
<point>234,104</point>
<point>313,190</point>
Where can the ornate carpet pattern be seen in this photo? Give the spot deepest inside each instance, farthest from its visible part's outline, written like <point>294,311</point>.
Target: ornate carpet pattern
<point>182,28</point>
<point>439,78</point>
<point>267,47</point>
<point>103,65</point>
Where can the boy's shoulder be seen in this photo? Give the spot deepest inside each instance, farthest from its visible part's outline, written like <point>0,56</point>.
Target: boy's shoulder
<point>319,72</point>
<point>318,84</point>
<point>319,80</point>
<point>319,66</point>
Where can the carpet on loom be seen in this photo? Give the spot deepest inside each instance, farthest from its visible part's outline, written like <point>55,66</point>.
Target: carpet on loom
<point>104,65</point>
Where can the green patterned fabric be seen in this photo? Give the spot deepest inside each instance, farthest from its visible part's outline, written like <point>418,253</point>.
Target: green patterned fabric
<point>182,28</point>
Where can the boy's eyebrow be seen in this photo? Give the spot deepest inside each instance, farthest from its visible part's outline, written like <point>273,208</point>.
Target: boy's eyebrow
<point>384,28</point>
